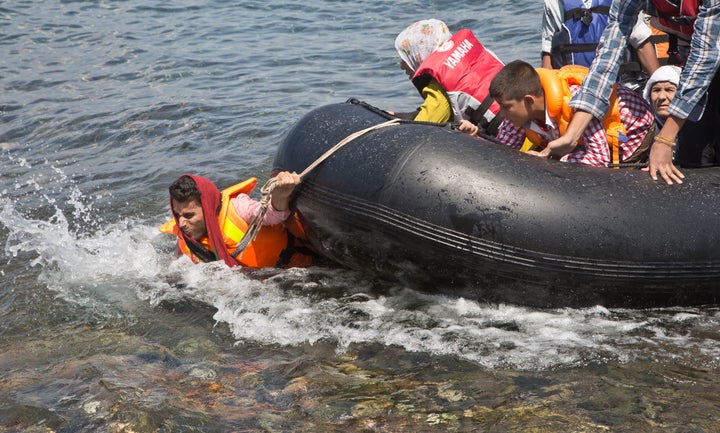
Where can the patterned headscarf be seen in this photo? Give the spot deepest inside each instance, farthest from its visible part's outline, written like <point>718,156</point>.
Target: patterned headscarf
<point>419,40</point>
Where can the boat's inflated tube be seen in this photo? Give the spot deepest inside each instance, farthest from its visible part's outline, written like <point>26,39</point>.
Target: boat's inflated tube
<point>441,211</point>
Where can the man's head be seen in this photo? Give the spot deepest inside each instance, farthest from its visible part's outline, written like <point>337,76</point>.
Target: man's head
<point>518,91</point>
<point>187,208</point>
<point>196,202</point>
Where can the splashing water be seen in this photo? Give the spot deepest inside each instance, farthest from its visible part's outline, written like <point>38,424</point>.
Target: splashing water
<point>116,267</point>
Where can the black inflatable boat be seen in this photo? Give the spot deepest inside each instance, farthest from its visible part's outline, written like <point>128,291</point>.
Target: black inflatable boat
<point>440,211</point>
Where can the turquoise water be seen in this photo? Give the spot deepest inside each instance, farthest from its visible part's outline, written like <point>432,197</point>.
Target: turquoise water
<point>104,103</point>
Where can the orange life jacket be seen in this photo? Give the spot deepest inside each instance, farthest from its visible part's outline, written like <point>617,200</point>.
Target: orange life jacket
<point>660,39</point>
<point>556,85</point>
<point>276,245</point>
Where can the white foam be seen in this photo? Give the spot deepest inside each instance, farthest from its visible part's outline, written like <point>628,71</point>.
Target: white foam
<point>126,262</point>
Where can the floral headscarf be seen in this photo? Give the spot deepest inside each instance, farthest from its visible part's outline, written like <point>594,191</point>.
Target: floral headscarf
<point>418,40</point>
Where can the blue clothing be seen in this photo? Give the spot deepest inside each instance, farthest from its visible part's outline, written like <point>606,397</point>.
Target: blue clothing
<point>700,67</point>
<point>576,41</point>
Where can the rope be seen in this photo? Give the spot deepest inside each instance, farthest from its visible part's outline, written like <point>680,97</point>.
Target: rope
<point>269,186</point>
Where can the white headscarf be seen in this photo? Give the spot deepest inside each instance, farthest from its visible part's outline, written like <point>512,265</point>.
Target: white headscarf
<point>663,73</point>
<point>419,39</point>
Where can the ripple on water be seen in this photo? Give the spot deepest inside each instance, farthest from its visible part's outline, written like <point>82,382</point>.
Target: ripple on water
<point>105,103</point>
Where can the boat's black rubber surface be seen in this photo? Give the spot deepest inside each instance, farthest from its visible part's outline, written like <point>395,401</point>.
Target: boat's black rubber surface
<point>448,213</point>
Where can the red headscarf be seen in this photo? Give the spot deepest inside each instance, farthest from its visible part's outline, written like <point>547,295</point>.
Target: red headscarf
<point>210,202</point>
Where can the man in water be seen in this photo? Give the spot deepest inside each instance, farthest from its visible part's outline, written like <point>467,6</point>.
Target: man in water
<point>209,224</point>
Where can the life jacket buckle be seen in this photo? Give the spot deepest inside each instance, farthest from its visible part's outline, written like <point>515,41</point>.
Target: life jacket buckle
<point>587,17</point>
<point>682,20</point>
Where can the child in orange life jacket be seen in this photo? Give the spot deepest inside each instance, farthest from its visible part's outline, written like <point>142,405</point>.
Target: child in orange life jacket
<point>210,224</point>
<point>535,106</point>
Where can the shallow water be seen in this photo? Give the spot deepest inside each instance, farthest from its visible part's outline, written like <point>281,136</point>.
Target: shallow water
<point>104,103</point>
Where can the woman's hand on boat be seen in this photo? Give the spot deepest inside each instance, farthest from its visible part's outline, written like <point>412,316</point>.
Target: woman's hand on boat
<point>661,152</point>
<point>468,127</point>
<point>660,161</point>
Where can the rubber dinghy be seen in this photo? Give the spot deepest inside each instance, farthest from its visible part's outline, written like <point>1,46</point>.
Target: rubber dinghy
<point>447,213</point>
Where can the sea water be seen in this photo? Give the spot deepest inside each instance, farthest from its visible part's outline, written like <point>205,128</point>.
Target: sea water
<point>105,103</point>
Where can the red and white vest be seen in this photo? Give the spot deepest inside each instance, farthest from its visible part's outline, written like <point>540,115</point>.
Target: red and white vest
<point>464,68</point>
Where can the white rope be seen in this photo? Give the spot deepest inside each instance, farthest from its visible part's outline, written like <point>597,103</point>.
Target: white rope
<point>269,186</point>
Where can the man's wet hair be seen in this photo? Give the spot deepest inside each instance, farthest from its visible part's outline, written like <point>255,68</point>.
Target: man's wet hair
<point>184,189</point>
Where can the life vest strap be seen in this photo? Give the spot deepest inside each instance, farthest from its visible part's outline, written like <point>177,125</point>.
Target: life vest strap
<point>679,20</point>
<point>291,249</point>
<point>576,48</point>
<point>566,50</point>
<point>630,67</point>
<point>477,116</point>
<point>494,125</point>
<point>659,38</point>
<point>673,52</point>
<point>585,15</point>
<point>640,156</point>
<point>199,251</point>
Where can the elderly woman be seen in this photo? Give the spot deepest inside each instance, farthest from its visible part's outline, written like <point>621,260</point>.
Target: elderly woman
<point>452,74</point>
<point>660,90</point>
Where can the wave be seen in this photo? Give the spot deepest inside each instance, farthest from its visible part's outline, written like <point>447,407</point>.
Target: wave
<point>128,264</point>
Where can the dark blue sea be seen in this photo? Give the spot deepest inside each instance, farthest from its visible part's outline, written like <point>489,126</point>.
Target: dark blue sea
<point>104,103</point>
